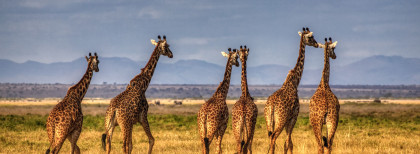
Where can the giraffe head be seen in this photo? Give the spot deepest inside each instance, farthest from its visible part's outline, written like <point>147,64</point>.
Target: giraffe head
<point>232,57</point>
<point>162,46</point>
<point>329,47</point>
<point>243,53</point>
<point>93,62</point>
<point>308,38</point>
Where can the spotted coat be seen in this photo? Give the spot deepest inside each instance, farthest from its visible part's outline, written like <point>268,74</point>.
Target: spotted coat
<point>66,118</point>
<point>282,107</point>
<point>324,106</point>
<point>244,112</point>
<point>213,116</point>
<point>131,106</point>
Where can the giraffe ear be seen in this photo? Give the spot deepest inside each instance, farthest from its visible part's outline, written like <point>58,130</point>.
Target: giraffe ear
<point>310,34</point>
<point>225,54</point>
<point>334,44</point>
<point>153,42</point>
<point>300,33</point>
<point>87,59</point>
<point>321,45</point>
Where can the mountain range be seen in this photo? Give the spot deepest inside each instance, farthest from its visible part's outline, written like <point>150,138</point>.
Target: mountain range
<point>375,70</point>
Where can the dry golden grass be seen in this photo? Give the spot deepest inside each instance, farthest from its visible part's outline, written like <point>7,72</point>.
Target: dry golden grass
<point>347,140</point>
<point>364,128</point>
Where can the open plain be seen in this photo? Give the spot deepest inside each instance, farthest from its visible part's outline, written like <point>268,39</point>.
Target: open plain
<point>392,126</point>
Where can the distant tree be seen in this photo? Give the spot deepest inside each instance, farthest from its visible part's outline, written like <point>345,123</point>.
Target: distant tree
<point>388,95</point>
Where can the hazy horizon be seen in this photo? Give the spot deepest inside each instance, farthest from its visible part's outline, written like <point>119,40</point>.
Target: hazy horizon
<point>374,70</point>
<point>143,62</point>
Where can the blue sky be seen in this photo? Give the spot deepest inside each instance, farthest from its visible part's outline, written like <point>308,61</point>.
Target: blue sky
<point>60,30</point>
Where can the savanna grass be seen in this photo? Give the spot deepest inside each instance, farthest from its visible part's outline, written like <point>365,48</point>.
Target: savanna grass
<point>362,129</point>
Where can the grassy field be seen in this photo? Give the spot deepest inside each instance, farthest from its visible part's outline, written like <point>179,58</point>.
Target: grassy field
<point>363,128</point>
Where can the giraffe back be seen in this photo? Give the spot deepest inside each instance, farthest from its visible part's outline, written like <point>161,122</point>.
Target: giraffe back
<point>324,100</point>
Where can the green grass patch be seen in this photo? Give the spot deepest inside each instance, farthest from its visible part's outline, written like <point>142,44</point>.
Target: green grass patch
<point>186,122</point>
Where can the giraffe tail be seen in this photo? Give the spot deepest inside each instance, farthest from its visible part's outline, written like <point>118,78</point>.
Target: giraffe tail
<point>104,141</point>
<point>325,141</point>
<point>243,132</point>
<point>270,132</point>
<point>206,139</point>
<point>48,151</point>
<point>207,143</point>
<point>110,125</point>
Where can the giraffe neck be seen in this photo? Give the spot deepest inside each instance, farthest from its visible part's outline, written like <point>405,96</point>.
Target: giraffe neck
<point>298,69</point>
<point>244,82</point>
<point>82,86</point>
<point>223,88</point>
<point>326,72</point>
<point>141,82</point>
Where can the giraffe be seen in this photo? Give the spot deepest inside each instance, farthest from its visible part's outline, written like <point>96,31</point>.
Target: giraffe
<point>244,112</point>
<point>282,107</point>
<point>324,105</point>
<point>66,118</point>
<point>130,106</point>
<point>213,115</point>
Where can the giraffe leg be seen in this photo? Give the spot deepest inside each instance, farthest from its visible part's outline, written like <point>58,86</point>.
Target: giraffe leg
<point>250,145</point>
<point>273,139</point>
<point>237,127</point>
<point>220,134</point>
<point>288,144</point>
<point>60,134</point>
<point>208,130</point>
<point>73,137</point>
<point>58,142</point>
<point>316,122</point>
<point>332,123</point>
<point>250,133</point>
<point>279,126</point>
<point>145,123</point>
<point>211,133</point>
<point>127,130</point>
<point>204,150</point>
<point>201,119</point>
